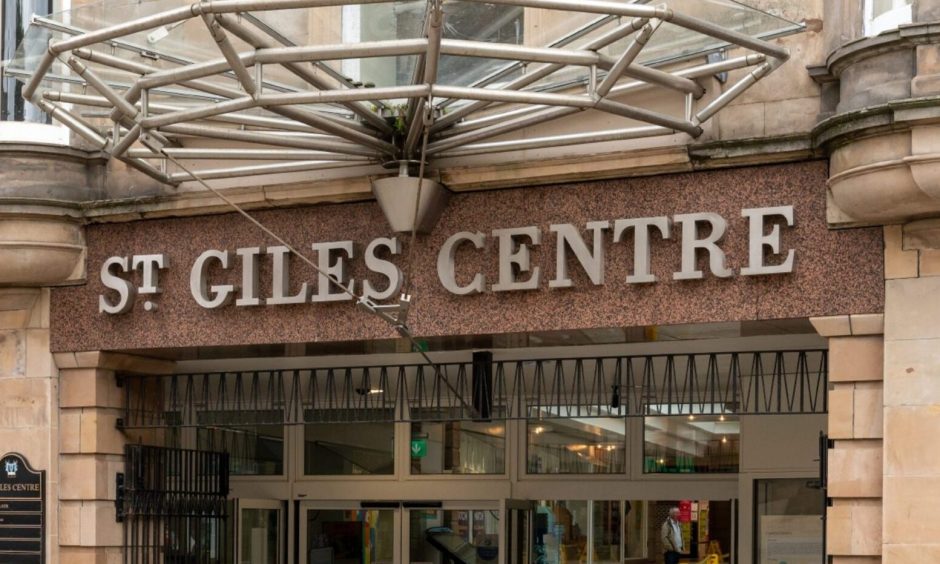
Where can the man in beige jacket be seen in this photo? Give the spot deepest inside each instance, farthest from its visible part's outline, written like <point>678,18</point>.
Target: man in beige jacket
<point>671,535</point>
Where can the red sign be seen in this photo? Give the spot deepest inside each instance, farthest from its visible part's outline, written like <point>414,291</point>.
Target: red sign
<point>685,511</point>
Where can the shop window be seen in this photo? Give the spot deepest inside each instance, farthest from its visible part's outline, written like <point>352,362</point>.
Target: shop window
<point>14,18</point>
<point>561,531</point>
<point>255,449</point>
<point>789,526</point>
<point>691,444</point>
<point>884,15</point>
<point>458,447</point>
<point>436,536</point>
<point>405,20</point>
<point>349,449</point>
<point>576,446</point>
<point>335,536</point>
<point>607,531</point>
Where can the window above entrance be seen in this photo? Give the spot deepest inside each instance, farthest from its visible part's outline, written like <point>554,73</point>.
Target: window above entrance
<point>302,85</point>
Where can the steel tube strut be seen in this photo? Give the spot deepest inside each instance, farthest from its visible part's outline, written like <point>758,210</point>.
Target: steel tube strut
<point>259,42</point>
<point>557,141</point>
<point>604,40</point>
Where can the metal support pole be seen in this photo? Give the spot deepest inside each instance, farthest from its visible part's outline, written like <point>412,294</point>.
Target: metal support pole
<point>730,94</point>
<point>648,116</point>
<point>122,105</point>
<point>627,58</point>
<point>231,56</point>
<point>500,128</point>
<point>556,141</point>
<point>73,122</point>
<point>254,170</point>
<point>534,76</point>
<point>337,146</point>
<point>308,75</point>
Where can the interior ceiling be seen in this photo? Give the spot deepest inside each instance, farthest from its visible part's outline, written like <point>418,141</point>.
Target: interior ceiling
<point>155,84</point>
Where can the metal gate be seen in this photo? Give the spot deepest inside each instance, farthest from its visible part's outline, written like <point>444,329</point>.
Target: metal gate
<point>173,505</point>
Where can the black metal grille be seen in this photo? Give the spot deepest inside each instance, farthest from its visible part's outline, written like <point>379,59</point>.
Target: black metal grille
<point>741,383</point>
<point>173,506</point>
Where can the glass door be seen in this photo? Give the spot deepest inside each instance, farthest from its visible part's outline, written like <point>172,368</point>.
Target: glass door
<point>260,532</point>
<point>454,532</point>
<point>348,533</point>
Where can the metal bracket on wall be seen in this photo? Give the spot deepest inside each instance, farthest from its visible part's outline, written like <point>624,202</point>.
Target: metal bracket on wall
<point>119,510</point>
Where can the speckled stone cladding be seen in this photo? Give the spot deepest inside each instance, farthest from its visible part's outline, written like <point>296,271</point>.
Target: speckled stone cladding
<point>836,271</point>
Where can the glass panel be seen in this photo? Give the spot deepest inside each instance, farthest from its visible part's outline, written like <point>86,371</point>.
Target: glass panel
<point>349,449</point>
<point>469,534</point>
<point>879,7</point>
<point>705,527</point>
<point>606,533</point>
<point>561,531</point>
<point>406,20</point>
<point>350,537</point>
<point>789,521</point>
<point>577,446</point>
<point>15,18</point>
<point>260,542</point>
<point>254,449</point>
<point>695,443</point>
<point>458,447</point>
<point>634,529</point>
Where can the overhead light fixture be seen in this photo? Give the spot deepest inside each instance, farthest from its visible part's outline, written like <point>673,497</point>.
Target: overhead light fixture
<point>403,195</point>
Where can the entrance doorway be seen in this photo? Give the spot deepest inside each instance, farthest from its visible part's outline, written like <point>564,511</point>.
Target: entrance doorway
<point>261,532</point>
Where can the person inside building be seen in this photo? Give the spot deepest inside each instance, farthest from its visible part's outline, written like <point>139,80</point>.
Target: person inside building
<point>671,536</point>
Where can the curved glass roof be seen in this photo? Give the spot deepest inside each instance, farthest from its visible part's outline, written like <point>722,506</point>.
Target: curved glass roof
<point>272,86</point>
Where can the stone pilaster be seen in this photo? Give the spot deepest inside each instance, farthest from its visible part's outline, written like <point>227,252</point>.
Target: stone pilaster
<point>912,394</point>
<point>28,391</point>
<point>91,453</point>
<point>856,366</point>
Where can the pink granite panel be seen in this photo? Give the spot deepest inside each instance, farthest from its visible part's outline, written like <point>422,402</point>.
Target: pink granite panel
<point>837,272</point>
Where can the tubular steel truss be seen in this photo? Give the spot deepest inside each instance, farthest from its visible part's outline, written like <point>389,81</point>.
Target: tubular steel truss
<point>745,383</point>
<point>142,106</point>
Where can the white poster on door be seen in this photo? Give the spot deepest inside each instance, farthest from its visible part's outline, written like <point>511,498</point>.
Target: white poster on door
<point>791,539</point>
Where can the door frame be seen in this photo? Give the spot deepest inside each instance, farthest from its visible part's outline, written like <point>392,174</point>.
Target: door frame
<point>270,504</point>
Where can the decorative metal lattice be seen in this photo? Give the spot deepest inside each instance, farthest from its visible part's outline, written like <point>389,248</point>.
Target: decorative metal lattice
<point>745,383</point>
<point>452,89</point>
<point>173,505</point>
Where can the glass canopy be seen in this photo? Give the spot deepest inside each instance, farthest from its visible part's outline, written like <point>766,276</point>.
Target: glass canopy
<point>297,85</point>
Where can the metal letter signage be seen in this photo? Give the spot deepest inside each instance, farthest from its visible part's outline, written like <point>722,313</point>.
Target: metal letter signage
<point>699,235</point>
<point>22,512</point>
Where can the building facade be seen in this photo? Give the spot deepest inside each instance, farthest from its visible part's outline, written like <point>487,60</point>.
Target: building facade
<point>613,312</point>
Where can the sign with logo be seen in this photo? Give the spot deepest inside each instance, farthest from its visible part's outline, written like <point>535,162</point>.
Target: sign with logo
<point>223,277</point>
<point>419,448</point>
<point>22,511</point>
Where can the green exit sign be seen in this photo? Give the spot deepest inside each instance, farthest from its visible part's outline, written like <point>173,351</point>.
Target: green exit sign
<point>419,448</point>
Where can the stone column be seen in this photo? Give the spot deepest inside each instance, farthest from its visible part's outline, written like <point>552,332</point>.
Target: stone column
<point>91,453</point>
<point>912,393</point>
<point>854,520</point>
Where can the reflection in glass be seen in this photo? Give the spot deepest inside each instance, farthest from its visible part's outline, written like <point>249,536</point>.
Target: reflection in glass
<point>405,20</point>
<point>254,449</point>
<point>349,449</point>
<point>560,531</point>
<point>606,533</point>
<point>577,446</point>
<point>350,537</point>
<point>460,447</point>
<point>693,443</point>
<point>789,521</point>
<point>633,528</point>
<point>469,534</point>
<point>259,536</point>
